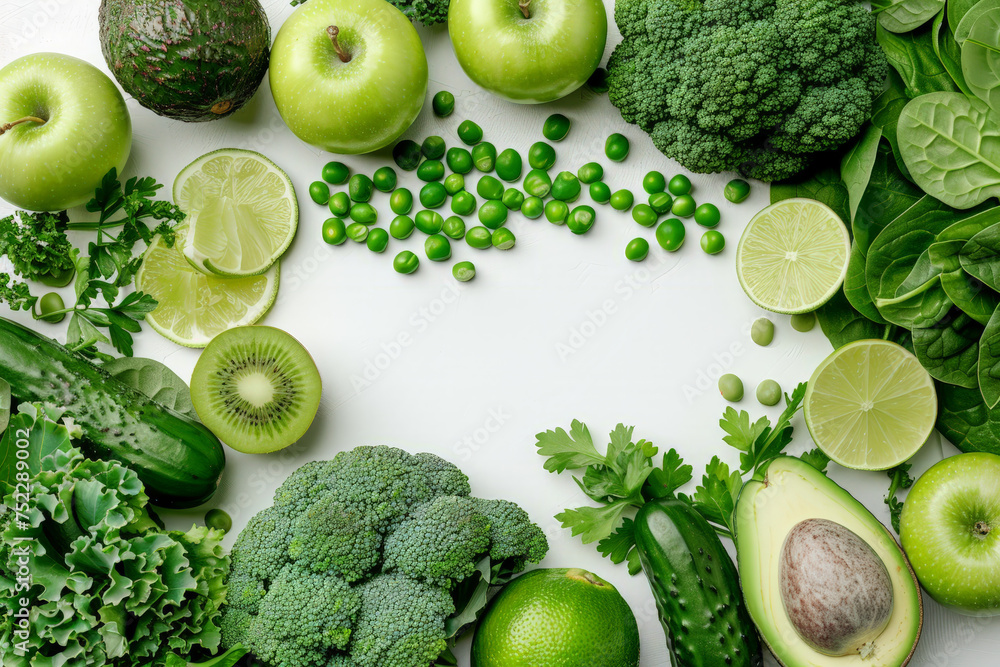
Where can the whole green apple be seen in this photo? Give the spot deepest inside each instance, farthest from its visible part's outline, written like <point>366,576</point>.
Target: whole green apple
<point>348,76</point>
<point>64,126</point>
<point>528,51</point>
<point>950,530</point>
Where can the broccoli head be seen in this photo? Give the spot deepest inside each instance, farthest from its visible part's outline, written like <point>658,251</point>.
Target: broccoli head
<point>763,87</point>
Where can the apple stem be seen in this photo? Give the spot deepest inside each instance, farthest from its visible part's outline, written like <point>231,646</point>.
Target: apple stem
<point>523,6</point>
<point>344,56</point>
<point>6,127</point>
<point>981,529</point>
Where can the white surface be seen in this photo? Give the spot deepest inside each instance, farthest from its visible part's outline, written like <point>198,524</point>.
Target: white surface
<point>560,327</point>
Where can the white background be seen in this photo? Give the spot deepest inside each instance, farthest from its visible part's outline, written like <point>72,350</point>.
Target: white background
<point>560,327</point>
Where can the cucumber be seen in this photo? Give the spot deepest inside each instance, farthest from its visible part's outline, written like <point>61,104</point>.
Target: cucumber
<point>178,460</point>
<point>696,588</point>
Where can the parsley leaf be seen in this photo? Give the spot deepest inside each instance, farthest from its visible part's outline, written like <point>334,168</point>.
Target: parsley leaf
<point>568,450</point>
<point>899,479</point>
<point>593,523</point>
<point>664,481</point>
<point>816,458</point>
<point>16,294</point>
<point>742,434</point>
<point>37,246</point>
<point>715,498</point>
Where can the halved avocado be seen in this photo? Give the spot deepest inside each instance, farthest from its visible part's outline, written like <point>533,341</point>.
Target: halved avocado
<point>782,493</point>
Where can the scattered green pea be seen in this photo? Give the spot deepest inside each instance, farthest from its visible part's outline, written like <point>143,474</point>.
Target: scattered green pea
<point>357,232</point>
<point>581,219</point>
<point>769,393</point>
<point>541,155</point>
<point>737,190</point>
<point>645,215</point>
<point>679,185</point>
<point>654,182</point>
<point>463,203</point>
<point>556,127</point>
<point>713,242</point>
<point>479,238</point>
<point>334,231</point>
<point>401,201</point>
<point>707,215</point>
<point>406,262</point>
<point>503,239</point>
<point>464,271</point>
<point>590,173</point>
<point>532,208</point>
<point>384,179</point>
<point>538,183</point>
<point>401,227</point>
<point>762,331</point>
<point>731,388</point>
<point>598,81</point>
<point>600,192</point>
<point>616,147</point>
<point>339,204</point>
<point>218,520</point>
<point>433,147</point>
<point>803,322</point>
<point>360,188</point>
<point>454,227</point>
<point>661,202</point>
<point>470,133</point>
<point>513,199</point>
<point>459,160</point>
<point>622,200</point>
<point>684,206</point>
<point>319,192</point>
<point>493,214</point>
<point>637,249</point>
<point>336,173</point>
<point>489,188</point>
<point>484,156</point>
<point>406,154</point>
<point>443,104</point>
<point>437,248</point>
<point>670,234</point>
<point>566,187</point>
<point>378,240</point>
<point>49,305</point>
<point>364,213</point>
<point>454,183</point>
<point>429,222</point>
<point>509,165</point>
<point>556,211</point>
<point>433,195</point>
<point>430,170</point>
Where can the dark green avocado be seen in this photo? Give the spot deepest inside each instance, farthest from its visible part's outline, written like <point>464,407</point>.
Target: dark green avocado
<point>191,60</point>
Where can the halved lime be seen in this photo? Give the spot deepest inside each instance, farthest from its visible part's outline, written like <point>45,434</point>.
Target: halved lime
<point>870,405</point>
<point>242,212</point>
<point>793,256</point>
<point>193,308</point>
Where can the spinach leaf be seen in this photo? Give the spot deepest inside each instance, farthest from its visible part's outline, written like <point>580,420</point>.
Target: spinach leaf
<point>950,349</point>
<point>964,419</point>
<point>948,51</point>
<point>980,257</point>
<point>905,15</point>
<point>885,114</point>
<point>912,55</point>
<point>856,287</point>
<point>824,186</point>
<point>154,380</point>
<point>989,362</point>
<point>963,26</point>
<point>981,58</point>
<point>889,194</point>
<point>4,405</point>
<point>856,166</point>
<point>966,292</point>
<point>957,9</point>
<point>842,324</point>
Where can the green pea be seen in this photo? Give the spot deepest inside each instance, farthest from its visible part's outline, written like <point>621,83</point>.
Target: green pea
<point>661,202</point>
<point>684,206</point>
<point>600,192</point>
<point>454,227</point>
<point>556,211</point>
<point>538,183</point>
<point>713,242</point>
<point>433,147</point>
<point>493,214</point>
<point>385,179</point>
<point>616,147</point>
<point>443,104</point>
<point>401,227</point>
<point>598,81</point>
<point>364,213</point>
<point>532,208</point>
<point>731,388</point>
<point>637,249</point>
<point>736,190</point>
<point>479,238</point>
<point>406,154</point>
<point>429,222</point>
<point>556,127</point>
<point>590,173</point>
<point>378,240</point>
<point>679,185</point>
<point>484,156</point>
<point>334,231</point>
<point>357,232</point>
<point>340,204</point>
<point>654,182</point>
<point>433,195</point>
<point>336,173</point>
<point>489,188</point>
<point>541,155</point>
<point>670,234</point>
<point>360,188</point>
<point>49,307</point>
<point>707,215</point>
<point>459,160</point>
<point>509,165</point>
<point>470,133</point>
<point>464,271</point>
<point>645,215</point>
<point>769,393</point>
<point>217,519</point>
<point>430,170</point>
<point>454,183</point>
<point>401,201</point>
<point>566,187</point>
<point>319,192</point>
<point>406,262</point>
<point>463,203</point>
<point>513,199</point>
<point>581,219</point>
<point>622,200</point>
<point>437,248</point>
<point>803,322</point>
<point>762,331</point>
<point>503,239</point>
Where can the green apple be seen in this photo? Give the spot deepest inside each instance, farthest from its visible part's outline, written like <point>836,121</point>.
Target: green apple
<point>348,76</point>
<point>528,51</point>
<point>950,530</point>
<point>64,126</point>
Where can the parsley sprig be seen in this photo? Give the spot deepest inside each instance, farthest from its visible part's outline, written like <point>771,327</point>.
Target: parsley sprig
<point>899,479</point>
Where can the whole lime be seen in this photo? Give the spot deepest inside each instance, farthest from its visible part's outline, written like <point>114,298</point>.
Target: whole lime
<point>557,618</point>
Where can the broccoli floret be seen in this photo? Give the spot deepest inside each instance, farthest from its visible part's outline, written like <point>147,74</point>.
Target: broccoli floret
<point>764,87</point>
<point>261,550</point>
<point>332,537</point>
<point>443,478</point>
<point>514,539</point>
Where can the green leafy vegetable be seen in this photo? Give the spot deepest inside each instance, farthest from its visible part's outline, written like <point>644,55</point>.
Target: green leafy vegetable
<point>912,56</point>
<point>37,247</point>
<point>949,350</point>
<point>948,51</point>
<point>824,186</point>
<point>989,362</point>
<point>5,405</point>
<point>885,115</point>
<point>899,479</point>
<point>905,15</point>
<point>965,420</point>
<point>842,323</point>
<point>968,15</point>
<point>816,458</point>
<point>154,380</point>
<point>857,163</point>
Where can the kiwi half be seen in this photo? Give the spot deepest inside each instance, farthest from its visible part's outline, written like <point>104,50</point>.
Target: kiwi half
<point>256,388</point>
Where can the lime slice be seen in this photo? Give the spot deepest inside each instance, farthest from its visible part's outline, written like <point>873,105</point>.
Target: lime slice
<point>870,405</point>
<point>242,212</point>
<point>193,308</point>
<point>793,256</point>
